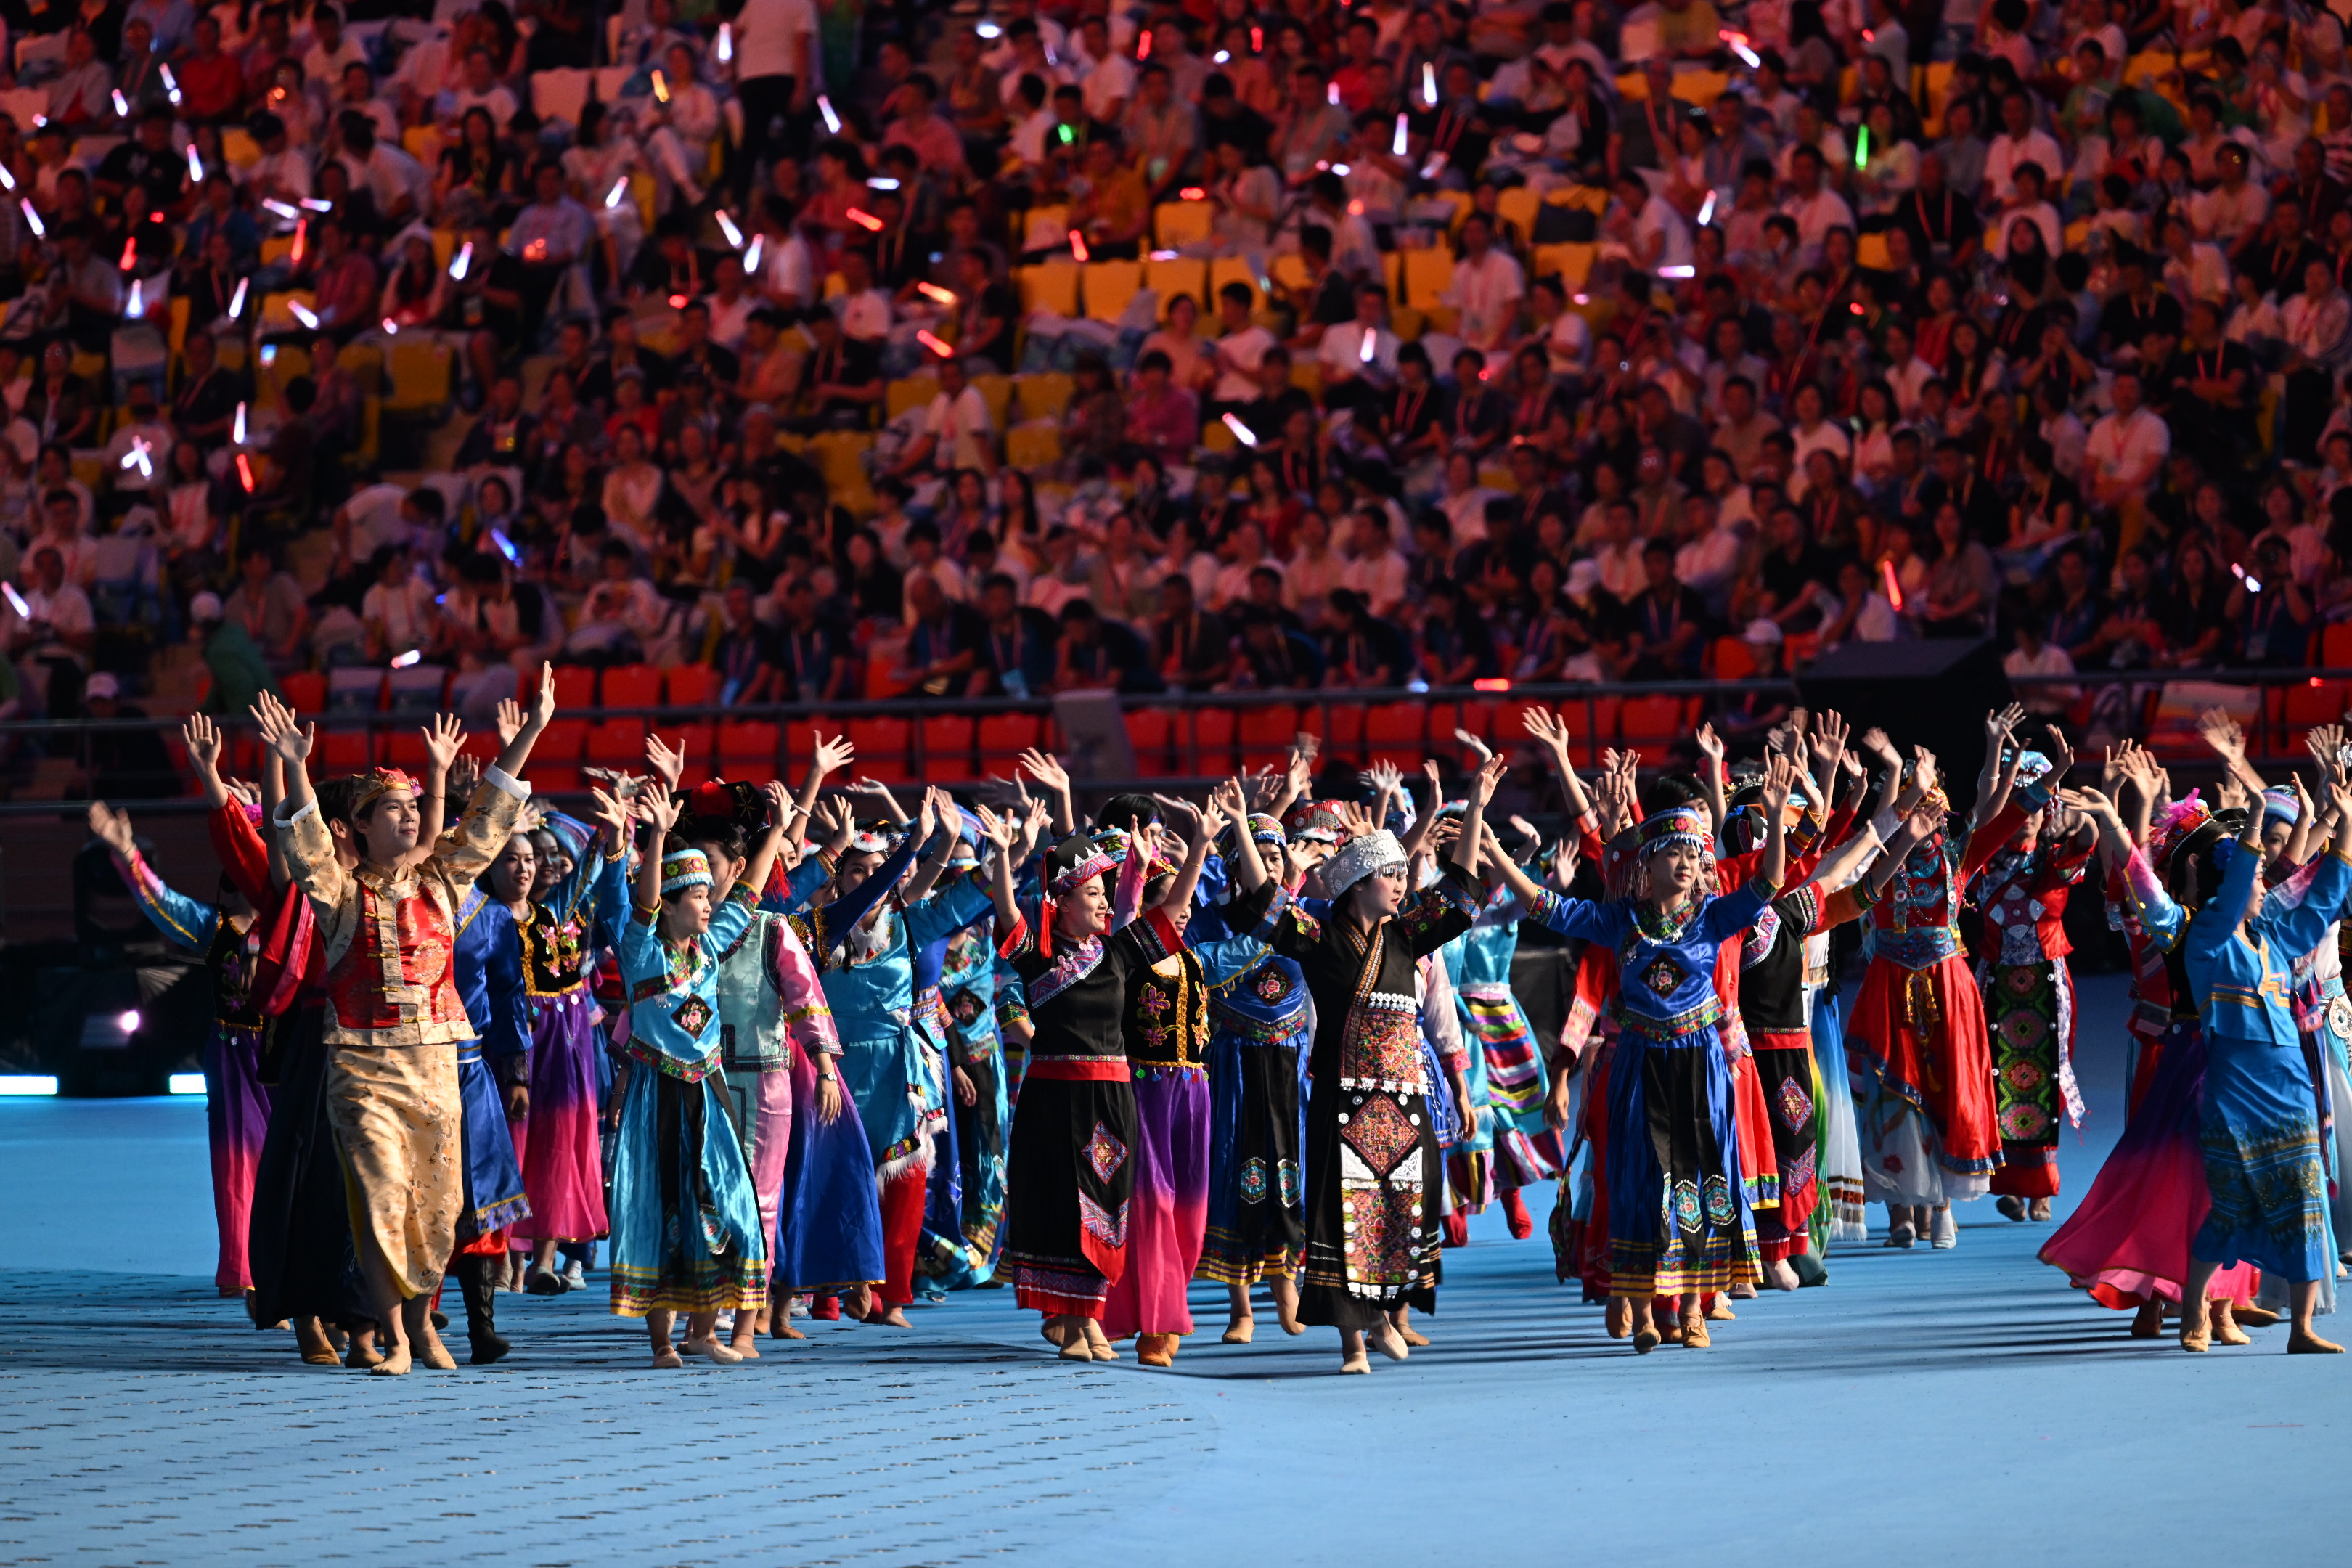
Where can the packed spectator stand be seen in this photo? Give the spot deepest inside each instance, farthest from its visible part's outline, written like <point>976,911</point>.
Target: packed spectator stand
<point>1367,369</point>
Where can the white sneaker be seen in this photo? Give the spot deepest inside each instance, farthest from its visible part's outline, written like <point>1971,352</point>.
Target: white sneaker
<point>574,1276</point>
<point>1941,1228</point>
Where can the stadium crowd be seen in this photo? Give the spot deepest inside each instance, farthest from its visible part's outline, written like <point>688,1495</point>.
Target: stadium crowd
<point>857,351</point>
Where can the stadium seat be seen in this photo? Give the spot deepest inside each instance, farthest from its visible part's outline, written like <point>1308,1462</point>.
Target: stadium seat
<point>1184,275</point>
<point>1210,747</point>
<point>1107,286</point>
<point>1344,741</point>
<point>305,690</point>
<point>908,391</point>
<point>575,687</point>
<point>1266,734</point>
<point>1043,394</point>
<point>1148,732</point>
<point>882,749</point>
<point>420,371</point>
<point>691,685</point>
<point>2335,645</point>
<point>2309,703</point>
<point>996,394</point>
<point>947,740</point>
<point>1571,263</point>
<point>1236,270</point>
<point>352,689</point>
<point>1002,737</point>
<point>1519,206</point>
<point>555,759</point>
<point>617,743</point>
<point>1733,659</point>
<point>747,743</point>
<point>1396,733</point>
<point>632,686</point>
<point>1033,443</point>
<point>1645,720</point>
<point>1049,285</point>
<point>1427,274</point>
<point>1182,223</point>
<point>345,750</point>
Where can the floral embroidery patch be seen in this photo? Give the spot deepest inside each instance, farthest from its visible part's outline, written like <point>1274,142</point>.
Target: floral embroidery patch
<point>1104,1152</point>
<point>1685,1202</point>
<point>2023,1076</point>
<point>1271,985</point>
<point>1379,1132</point>
<point>1665,976</point>
<point>692,1015</point>
<point>2022,1123</point>
<point>2024,1030</point>
<point>1253,1181</point>
<point>1796,1105</point>
<point>1156,1002</point>
<point>1106,1226</point>
<point>1719,1207</point>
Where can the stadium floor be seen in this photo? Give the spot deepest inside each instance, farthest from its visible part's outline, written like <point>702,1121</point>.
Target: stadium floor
<point>1924,1408</point>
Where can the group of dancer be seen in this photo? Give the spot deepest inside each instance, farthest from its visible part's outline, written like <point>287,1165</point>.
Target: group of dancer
<point>783,1059</point>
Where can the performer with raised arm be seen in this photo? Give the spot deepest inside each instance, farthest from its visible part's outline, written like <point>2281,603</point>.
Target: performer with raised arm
<point>686,1234</point>
<point>388,927</point>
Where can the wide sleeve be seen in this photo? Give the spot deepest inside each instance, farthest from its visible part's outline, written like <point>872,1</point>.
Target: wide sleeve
<point>1605,924</point>
<point>808,1017</point>
<point>2159,918</point>
<point>1444,909</point>
<point>243,854</point>
<point>1228,958</point>
<point>800,884</point>
<point>180,918</point>
<point>844,913</point>
<point>2295,932</point>
<point>946,912</point>
<point>1293,928</point>
<point>310,856</point>
<point>507,1032</point>
<point>1728,915</point>
<point>2216,925</point>
<point>1441,1020</point>
<point>485,829</point>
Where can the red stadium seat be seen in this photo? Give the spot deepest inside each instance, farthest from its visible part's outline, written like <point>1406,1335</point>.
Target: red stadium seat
<point>575,687</point>
<point>2335,645</point>
<point>617,743</point>
<point>2309,704</point>
<point>1211,733</point>
<point>1149,732</point>
<point>632,686</point>
<point>1643,719</point>
<point>1266,734</point>
<point>1733,659</point>
<point>1396,733</point>
<point>345,752</point>
<point>1004,736</point>
<point>947,747</point>
<point>1344,743</point>
<point>747,745</point>
<point>405,749</point>
<point>305,690</point>
<point>692,686</point>
<point>882,749</point>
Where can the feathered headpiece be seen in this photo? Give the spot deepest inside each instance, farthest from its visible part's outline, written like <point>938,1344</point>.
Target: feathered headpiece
<point>1359,857</point>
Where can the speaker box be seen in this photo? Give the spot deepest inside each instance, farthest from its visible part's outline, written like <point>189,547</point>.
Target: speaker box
<point>1933,693</point>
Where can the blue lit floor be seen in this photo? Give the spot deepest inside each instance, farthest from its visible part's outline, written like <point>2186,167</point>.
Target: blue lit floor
<point>1924,1409</point>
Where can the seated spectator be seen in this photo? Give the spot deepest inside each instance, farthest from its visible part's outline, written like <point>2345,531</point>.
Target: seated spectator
<point>1190,647</point>
<point>1094,654</point>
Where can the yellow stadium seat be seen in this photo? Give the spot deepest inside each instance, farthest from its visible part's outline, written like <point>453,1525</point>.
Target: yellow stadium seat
<point>1288,270</point>
<point>1870,251</point>
<point>423,142</point>
<point>996,392</point>
<point>1442,318</point>
<point>1051,285</point>
<point>1405,322</point>
<point>1180,223</point>
<point>1036,444</point>
<point>1185,275</point>
<point>1519,206</point>
<point>1044,393</point>
<point>1109,285</point>
<point>2077,234</point>
<point>366,362</point>
<point>1218,437</point>
<point>1633,87</point>
<point>2149,65</point>
<point>1701,88</point>
<point>1306,374</point>
<point>179,338</point>
<point>1849,79</point>
<point>839,456</point>
<point>1236,270</point>
<point>420,372</point>
<point>911,392</point>
<point>836,285</point>
<point>1572,263</point>
<point>445,246</point>
<point>1031,228</point>
<point>1938,87</point>
<point>643,191</point>
<point>277,310</point>
<point>1426,275</point>
<point>1393,274</point>
<point>238,147</point>
<point>1594,199</point>
<point>277,247</point>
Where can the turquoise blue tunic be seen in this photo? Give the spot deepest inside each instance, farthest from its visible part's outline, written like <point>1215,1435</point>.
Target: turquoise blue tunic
<point>1679,1220</point>
<point>2260,1128</point>
<point>686,1221</point>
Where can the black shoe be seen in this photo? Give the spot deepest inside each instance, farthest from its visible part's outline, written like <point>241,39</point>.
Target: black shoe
<point>1807,1269</point>
<point>440,1320</point>
<point>544,1282</point>
<point>481,1321</point>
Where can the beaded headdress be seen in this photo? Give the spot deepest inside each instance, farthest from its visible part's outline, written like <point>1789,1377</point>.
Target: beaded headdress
<point>1359,857</point>
<point>685,868</point>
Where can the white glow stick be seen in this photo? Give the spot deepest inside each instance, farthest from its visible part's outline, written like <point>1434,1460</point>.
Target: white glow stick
<point>727,226</point>
<point>1396,148</point>
<point>1242,433</point>
<point>832,120</point>
<point>236,300</point>
<point>462,262</point>
<point>1428,83</point>
<point>1707,210</point>
<point>32,217</point>
<point>619,188</point>
<point>1370,346</point>
<point>307,316</point>
<point>238,435</point>
<point>195,166</point>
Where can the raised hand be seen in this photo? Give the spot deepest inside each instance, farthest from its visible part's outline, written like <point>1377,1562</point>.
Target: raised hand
<point>1033,827</point>
<point>1181,815</point>
<point>111,827</point>
<point>611,813</point>
<point>509,720</point>
<point>1357,821</point>
<point>2060,754</point>
<point>1044,769</point>
<point>542,705</point>
<point>1923,764</point>
<point>1547,727</point>
<point>996,830</point>
<point>1469,740</point>
<point>831,757</point>
<point>1231,801</point>
<point>1780,783</point>
<point>1710,745</point>
<point>465,773</point>
<point>658,806</point>
<point>1482,786</point>
<point>1875,742</point>
<point>780,806</point>
<point>2221,733</point>
<point>444,739</point>
<point>2001,723</point>
<point>668,765</point>
<point>204,743</point>
<point>280,734</point>
<point>1563,864</point>
<point>1830,739</point>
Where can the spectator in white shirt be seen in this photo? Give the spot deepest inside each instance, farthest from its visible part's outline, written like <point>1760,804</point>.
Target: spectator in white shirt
<point>2020,141</point>
<point>956,431</point>
<point>1814,207</point>
<point>1375,571</point>
<point>2127,448</point>
<point>1486,290</point>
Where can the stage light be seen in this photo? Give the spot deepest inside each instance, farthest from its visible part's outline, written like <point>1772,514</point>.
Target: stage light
<point>187,1083</point>
<point>28,1084</point>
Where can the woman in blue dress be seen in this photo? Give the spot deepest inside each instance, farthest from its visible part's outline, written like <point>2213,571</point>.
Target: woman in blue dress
<point>2261,1122</point>
<point>1679,1222</point>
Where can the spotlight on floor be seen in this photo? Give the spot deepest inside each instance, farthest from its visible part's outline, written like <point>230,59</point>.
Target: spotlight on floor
<point>187,1083</point>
